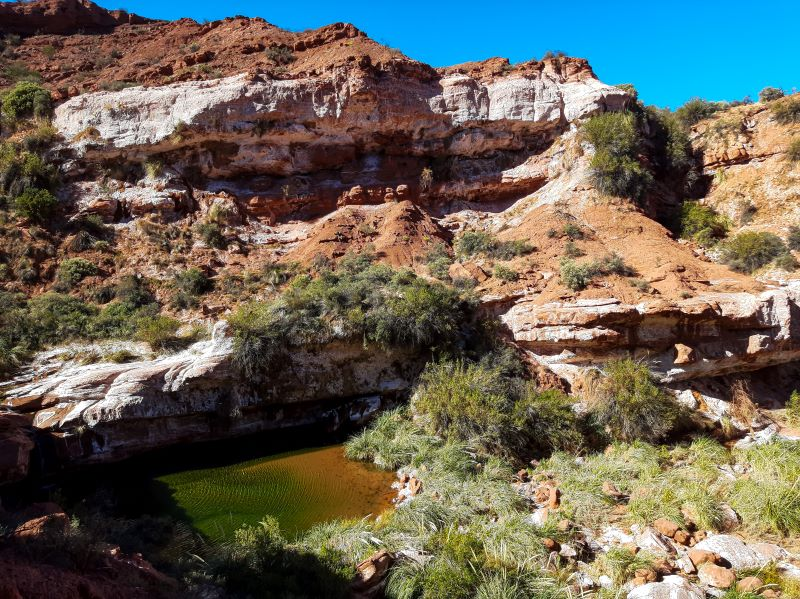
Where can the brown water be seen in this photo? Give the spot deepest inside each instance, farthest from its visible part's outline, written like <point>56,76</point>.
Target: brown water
<point>300,488</point>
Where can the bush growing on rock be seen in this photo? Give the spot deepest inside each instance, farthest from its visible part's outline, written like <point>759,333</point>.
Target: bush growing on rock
<point>438,261</point>
<point>786,110</point>
<point>578,276</point>
<point>751,250</point>
<point>359,300</point>
<point>575,276</point>
<point>26,99</point>
<point>472,243</point>
<point>504,273</point>
<point>212,236</point>
<point>189,285</point>
<point>768,94</point>
<point>695,110</point>
<point>769,499</point>
<point>160,332</point>
<point>21,170</point>
<point>280,55</point>
<point>628,403</point>
<point>793,151</point>
<point>73,270</point>
<point>793,408</point>
<point>616,169</point>
<point>702,224</point>
<point>37,205</point>
<point>478,402</point>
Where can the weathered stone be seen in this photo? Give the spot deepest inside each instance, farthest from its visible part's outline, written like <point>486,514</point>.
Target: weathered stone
<point>700,557</point>
<point>672,587</point>
<point>372,570</point>
<point>666,527</point>
<point>749,584</point>
<point>733,550</point>
<point>684,354</point>
<point>716,576</point>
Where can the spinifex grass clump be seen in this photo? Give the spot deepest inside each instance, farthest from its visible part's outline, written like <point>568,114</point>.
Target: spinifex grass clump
<point>629,404</point>
<point>769,498</point>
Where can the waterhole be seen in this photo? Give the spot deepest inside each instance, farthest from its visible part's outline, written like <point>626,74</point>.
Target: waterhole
<point>300,488</point>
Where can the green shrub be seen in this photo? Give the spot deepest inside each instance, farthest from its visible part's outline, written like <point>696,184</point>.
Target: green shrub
<point>211,234</point>
<point>573,231</point>
<point>793,151</point>
<point>578,276</point>
<point>768,500</point>
<point>280,55</point>
<point>359,300</point>
<point>261,563</point>
<point>672,150</point>
<point>477,402</point>
<point>505,273</point>
<point>189,285</point>
<point>472,243</point>
<point>750,250</point>
<point>628,403</point>
<point>702,224</point>
<point>620,564</point>
<point>438,261</point>
<point>21,169</point>
<point>160,332</point>
<point>786,110</point>
<point>17,71</point>
<point>56,318</point>
<point>768,94</point>
<point>26,99</point>
<point>793,409</point>
<point>464,401</point>
<point>391,441</point>
<point>616,169</point>
<point>575,276</point>
<point>153,168</point>
<point>786,262</point>
<point>695,110</point>
<point>34,204</point>
<point>573,251</point>
<point>73,270</point>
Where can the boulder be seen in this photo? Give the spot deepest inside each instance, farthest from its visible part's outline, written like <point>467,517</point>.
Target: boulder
<point>672,587</point>
<point>733,550</point>
<point>35,527</point>
<point>699,557</point>
<point>371,572</point>
<point>716,576</point>
<point>666,527</point>
<point>749,584</point>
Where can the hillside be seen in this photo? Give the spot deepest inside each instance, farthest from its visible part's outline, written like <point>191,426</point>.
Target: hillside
<point>209,231</point>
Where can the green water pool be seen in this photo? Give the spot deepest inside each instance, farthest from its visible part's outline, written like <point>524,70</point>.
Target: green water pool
<point>300,488</point>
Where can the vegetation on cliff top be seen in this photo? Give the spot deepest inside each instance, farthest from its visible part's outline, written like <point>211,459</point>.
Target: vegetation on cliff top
<point>361,301</point>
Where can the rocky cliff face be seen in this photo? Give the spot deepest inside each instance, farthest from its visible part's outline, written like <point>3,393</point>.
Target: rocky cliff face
<point>314,144</point>
<point>62,17</point>
<point>107,411</point>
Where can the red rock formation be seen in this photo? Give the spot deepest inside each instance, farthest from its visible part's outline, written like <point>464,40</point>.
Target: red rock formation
<point>62,17</point>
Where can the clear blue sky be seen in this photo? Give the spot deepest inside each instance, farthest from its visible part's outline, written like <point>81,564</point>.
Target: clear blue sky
<point>670,50</point>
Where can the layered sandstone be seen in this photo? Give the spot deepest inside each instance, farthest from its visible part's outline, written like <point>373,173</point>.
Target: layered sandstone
<point>108,411</point>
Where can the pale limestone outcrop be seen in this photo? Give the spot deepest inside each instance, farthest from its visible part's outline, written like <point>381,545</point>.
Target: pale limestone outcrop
<point>101,412</point>
<point>727,332</point>
<point>150,116</point>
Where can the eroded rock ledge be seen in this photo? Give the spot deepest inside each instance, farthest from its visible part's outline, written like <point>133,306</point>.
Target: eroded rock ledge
<point>105,411</point>
<point>708,335</point>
